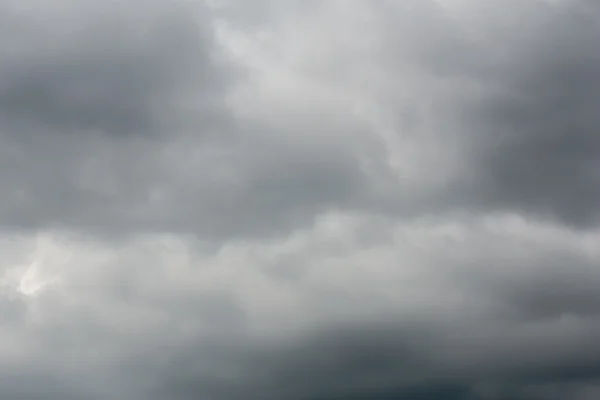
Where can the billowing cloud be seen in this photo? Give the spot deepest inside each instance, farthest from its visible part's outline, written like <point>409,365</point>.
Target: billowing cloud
<point>302,200</point>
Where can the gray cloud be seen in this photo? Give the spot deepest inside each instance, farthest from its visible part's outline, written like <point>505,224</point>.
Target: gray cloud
<point>511,101</point>
<point>213,133</point>
<point>493,321</point>
<point>543,157</point>
<point>111,69</point>
<point>476,309</point>
<point>299,200</point>
<point>127,113</point>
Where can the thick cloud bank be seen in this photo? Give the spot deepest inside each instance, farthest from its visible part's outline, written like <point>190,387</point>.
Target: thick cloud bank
<point>300,200</point>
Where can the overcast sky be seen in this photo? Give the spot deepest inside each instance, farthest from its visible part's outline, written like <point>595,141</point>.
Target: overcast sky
<point>299,200</point>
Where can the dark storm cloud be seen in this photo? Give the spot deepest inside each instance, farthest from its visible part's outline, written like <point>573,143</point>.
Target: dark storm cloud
<point>412,360</point>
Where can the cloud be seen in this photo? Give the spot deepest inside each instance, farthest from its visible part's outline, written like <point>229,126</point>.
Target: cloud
<point>299,200</point>
<point>321,314</point>
<point>545,162</point>
<point>137,122</point>
<point>82,67</point>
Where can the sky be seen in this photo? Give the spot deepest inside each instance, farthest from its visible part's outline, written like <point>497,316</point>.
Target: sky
<point>299,200</point>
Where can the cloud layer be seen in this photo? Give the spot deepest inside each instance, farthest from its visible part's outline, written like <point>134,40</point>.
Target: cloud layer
<point>301,200</point>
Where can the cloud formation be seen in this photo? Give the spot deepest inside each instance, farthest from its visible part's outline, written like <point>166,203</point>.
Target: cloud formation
<point>303,200</point>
